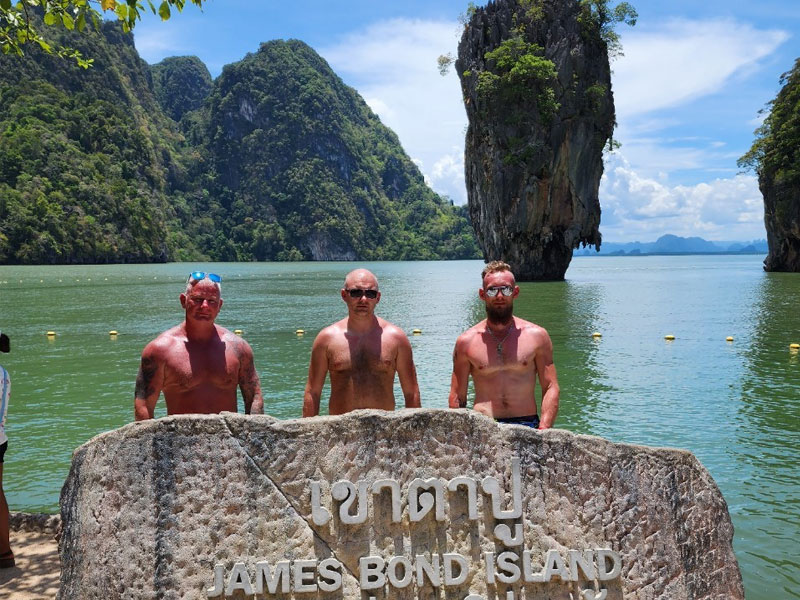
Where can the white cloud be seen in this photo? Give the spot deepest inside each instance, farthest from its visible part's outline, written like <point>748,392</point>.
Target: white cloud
<point>393,65</point>
<point>637,208</point>
<point>683,60</point>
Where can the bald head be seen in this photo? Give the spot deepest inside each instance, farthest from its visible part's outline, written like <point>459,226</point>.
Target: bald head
<point>362,279</point>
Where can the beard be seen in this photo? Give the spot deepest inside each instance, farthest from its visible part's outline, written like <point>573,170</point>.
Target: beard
<point>501,314</point>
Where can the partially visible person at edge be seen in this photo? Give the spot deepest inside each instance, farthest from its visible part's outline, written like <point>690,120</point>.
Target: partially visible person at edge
<point>198,364</point>
<point>504,354</point>
<point>362,352</point>
<point>6,555</point>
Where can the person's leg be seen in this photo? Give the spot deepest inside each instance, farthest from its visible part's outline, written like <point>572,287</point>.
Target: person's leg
<point>6,556</point>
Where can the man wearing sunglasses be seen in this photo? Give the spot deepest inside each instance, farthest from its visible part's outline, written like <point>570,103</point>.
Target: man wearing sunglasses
<point>362,352</point>
<point>504,354</point>
<point>198,364</point>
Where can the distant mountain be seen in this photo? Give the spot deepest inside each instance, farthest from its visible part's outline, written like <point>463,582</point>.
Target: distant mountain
<point>275,160</point>
<point>673,244</point>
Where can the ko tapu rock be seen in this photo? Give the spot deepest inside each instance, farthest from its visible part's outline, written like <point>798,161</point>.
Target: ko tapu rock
<point>537,90</point>
<point>388,505</point>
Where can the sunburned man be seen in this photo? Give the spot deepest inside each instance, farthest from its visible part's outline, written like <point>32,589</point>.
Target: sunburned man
<point>504,354</point>
<point>198,364</point>
<point>362,352</point>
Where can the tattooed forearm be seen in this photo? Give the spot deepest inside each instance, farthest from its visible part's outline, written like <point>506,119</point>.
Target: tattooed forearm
<point>144,380</point>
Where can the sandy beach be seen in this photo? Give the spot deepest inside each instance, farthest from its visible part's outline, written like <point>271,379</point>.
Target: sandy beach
<point>38,569</point>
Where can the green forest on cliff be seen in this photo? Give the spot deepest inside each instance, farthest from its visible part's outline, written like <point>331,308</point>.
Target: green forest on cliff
<point>277,159</point>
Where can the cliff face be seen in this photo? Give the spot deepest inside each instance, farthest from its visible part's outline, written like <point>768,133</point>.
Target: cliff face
<point>776,155</point>
<point>536,132</point>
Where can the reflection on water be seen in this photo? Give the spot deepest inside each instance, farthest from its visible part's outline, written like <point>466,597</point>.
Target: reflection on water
<point>736,406</point>
<point>768,496</point>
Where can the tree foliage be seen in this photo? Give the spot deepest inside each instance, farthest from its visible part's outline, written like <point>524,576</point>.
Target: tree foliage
<point>20,27</point>
<point>775,152</point>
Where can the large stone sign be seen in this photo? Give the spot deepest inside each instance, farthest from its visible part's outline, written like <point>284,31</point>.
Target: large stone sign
<point>417,504</point>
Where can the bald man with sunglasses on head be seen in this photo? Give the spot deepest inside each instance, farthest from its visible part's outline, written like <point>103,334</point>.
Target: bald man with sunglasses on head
<point>198,364</point>
<point>362,353</point>
<point>504,354</point>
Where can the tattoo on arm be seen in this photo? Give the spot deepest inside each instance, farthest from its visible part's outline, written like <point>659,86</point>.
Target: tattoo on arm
<point>144,381</point>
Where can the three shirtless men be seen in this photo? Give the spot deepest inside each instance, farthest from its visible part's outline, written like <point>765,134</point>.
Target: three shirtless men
<point>198,364</point>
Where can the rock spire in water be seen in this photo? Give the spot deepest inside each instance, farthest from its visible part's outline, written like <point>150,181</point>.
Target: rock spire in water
<point>537,89</point>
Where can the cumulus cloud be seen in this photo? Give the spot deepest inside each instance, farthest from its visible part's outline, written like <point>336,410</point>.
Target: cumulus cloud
<point>683,60</point>
<point>637,208</point>
<point>393,66</point>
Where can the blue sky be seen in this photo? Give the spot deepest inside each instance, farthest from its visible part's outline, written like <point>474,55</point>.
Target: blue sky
<point>688,91</point>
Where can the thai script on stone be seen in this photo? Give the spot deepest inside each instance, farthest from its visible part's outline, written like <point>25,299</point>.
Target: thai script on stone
<point>423,497</point>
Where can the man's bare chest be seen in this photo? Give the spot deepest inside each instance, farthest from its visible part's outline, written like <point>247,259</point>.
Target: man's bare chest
<point>189,366</point>
<point>361,355</point>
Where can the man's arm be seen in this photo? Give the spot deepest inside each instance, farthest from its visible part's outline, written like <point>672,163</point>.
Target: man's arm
<point>547,380</point>
<point>460,378</point>
<point>407,372</point>
<point>149,382</point>
<point>317,371</point>
<point>249,383</point>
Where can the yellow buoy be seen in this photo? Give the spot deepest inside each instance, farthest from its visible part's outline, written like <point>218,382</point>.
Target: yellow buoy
<point>669,337</point>
<point>51,334</point>
<point>237,331</point>
<point>300,331</point>
<point>113,333</point>
<point>417,331</point>
<point>729,338</point>
<point>597,334</point>
<point>794,346</point>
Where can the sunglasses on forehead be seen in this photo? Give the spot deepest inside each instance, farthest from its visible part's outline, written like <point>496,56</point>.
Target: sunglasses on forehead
<point>200,275</point>
<point>356,293</point>
<point>506,290</point>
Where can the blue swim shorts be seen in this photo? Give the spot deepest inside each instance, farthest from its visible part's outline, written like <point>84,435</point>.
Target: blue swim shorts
<point>531,421</point>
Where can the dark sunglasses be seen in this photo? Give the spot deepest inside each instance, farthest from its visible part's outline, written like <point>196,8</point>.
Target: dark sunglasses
<point>356,293</point>
<point>199,275</point>
<point>507,290</point>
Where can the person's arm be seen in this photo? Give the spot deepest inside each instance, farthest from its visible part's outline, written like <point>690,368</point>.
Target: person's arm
<point>407,372</point>
<point>149,382</point>
<point>249,383</point>
<point>317,371</point>
<point>547,380</point>
<point>460,379</point>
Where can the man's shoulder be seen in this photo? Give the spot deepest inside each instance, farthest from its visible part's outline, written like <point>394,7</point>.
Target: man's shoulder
<point>530,330</point>
<point>332,331</point>
<point>390,329</point>
<point>166,339</point>
<point>471,333</point>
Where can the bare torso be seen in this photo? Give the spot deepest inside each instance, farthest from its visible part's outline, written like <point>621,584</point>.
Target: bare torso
<point>504,384</point>
<point>362,367</point>
<point>199,377</point>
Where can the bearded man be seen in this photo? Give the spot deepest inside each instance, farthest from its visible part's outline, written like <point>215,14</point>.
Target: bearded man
<point>504,354</point>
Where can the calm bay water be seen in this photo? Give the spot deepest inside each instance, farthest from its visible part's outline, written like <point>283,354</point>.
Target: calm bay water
<point>735,405</point>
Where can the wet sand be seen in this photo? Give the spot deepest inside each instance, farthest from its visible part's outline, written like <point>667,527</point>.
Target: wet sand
<point>38,569</point>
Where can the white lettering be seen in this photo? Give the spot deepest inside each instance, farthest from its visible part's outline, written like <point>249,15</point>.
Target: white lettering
<point>301,576</point>
<point>492,487</point>
<point>330,575</point>
<point>345,491</point>
<point>281,576</point>
<point>394,488</point>
<point>488,558</point>
<point>420,504</point>
<point>239,580</point>
<point>527,569</point>
<point>319,514</point>
<point>372,576</point>
<point>408,572</point>
<point>554,565</point>
<point>583,560</point>
<point>219,573</point>
<point>603,573</point>
<point>507,569</point>
<point>472,493</point>
<point>451,560</point>
<point>429,568</point>
<point>503,533</point>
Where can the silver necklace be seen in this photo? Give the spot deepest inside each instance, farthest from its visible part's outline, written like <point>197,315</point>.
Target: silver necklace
<point>499,341</point>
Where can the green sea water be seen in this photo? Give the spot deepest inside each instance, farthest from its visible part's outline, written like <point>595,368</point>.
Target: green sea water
<point>736,405</point>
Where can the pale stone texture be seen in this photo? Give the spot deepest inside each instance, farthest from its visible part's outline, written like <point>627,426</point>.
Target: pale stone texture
<point>149,509</point>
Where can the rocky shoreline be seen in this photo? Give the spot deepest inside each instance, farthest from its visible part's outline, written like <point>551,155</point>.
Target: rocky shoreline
<point>35,522</point>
